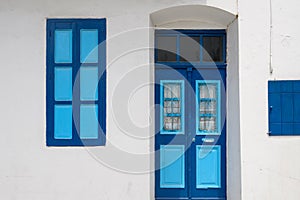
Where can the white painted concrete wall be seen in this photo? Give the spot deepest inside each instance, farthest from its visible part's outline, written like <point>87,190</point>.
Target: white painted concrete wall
<point>30,170</point>
<point>270,165</point>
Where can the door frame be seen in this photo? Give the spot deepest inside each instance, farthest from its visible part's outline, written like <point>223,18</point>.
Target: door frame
<point>195,17</point>
<point>197,66</point>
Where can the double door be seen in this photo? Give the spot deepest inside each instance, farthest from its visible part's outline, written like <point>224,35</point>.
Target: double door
<point>190,139</point>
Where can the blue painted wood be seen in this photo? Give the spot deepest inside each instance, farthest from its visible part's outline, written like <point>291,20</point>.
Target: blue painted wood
<point>76,25</point>
<point>287,107</point>
<point>208,166</point>
<point>172,164</point>
<point>63,83</point>
<point>88,121</point>
<point>63,121</point>
<point>296,108</point>
<point>63,46</point>
<point>189,73</point>
<point>88,45</point>
<point>284,107</point>
<point>88,83</point>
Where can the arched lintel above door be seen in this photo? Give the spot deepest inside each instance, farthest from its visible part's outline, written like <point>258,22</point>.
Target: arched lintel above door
<point>186,16</point>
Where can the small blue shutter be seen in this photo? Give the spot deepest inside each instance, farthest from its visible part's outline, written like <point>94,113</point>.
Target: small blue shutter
<point>284,107</point>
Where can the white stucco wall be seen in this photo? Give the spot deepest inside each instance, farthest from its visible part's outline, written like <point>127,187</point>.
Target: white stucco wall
<point>270,166</point>
<point>30,170</point>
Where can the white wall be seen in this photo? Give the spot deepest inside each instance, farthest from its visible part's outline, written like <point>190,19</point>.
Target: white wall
<point>270,165</point>
<point>30,170</point>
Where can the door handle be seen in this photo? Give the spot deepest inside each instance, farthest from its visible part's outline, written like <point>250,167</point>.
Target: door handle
<point>208,140</point>
<point>193,140</point>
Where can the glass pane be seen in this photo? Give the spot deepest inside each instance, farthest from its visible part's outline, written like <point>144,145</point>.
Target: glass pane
<point>176,90</point>
<point>89,121</point>
<point>176,123</point>
<point>171,90</point>
<point>176,106</point>
<point>168,107</point>
<point>208,100</point>
<point>213,49</point>
<point>208,107</point>
<point>63,83</point>
<point>88,46</point>
<point>89,83</point>
<point>63,46</point>
<point>189,49</point>
<point>167,91</point>
<point>207,124</point>
<point>208,90</point>
<point>172,106</point>
<point>168,123</point>
<point>166,48</point>
<point>63,121</point>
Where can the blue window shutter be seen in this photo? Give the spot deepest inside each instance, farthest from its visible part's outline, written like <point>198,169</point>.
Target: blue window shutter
<point>74,46</point>
<point>284,107</point>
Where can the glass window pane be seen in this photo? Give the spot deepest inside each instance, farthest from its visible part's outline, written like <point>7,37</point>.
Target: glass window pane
<point>88,46</point>
<point>168,123</point>
<point>213,49</point>
<point>207,124</point>
<point>88,121</point>
<point>168,107</point>
<point>63,121</point>
<point>176,106</point>
<point>63,83</point>
<point>208,90</point>
<point>63,46</point>
<point>171,90</point>
<point>172,106</point>
<point>176,123</point>
<point>189,49</point>
<point>166,48</point>
<point>89,83</point>
<point>208,105</point>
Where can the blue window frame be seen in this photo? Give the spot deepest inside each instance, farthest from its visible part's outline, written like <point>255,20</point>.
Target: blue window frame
<point>198,48</point>
<point>76,82</point>
<point>284,107</point>
<point>208,106</point>
<point>172,106</point>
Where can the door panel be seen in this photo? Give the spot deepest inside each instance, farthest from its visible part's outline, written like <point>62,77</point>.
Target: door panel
<point>170,140</point>
<point>208,165</point>
<point>208,172</point>
<point>172,166</point>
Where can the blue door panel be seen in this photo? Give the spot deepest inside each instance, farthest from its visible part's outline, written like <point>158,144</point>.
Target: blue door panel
<point>179,189</point>
<point>172,166</point>
<point>208,166</point>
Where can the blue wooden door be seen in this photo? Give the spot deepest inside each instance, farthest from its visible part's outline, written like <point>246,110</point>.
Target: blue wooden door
<point>190,140</point>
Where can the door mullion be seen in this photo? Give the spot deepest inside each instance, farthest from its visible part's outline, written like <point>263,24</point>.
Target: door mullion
<point>189,134</point>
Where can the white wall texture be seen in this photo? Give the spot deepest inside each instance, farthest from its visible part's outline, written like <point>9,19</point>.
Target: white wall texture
<point>29,170</point>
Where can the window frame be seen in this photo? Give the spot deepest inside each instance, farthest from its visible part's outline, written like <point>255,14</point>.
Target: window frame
<point>75,25</point>
<point>192,33</point>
